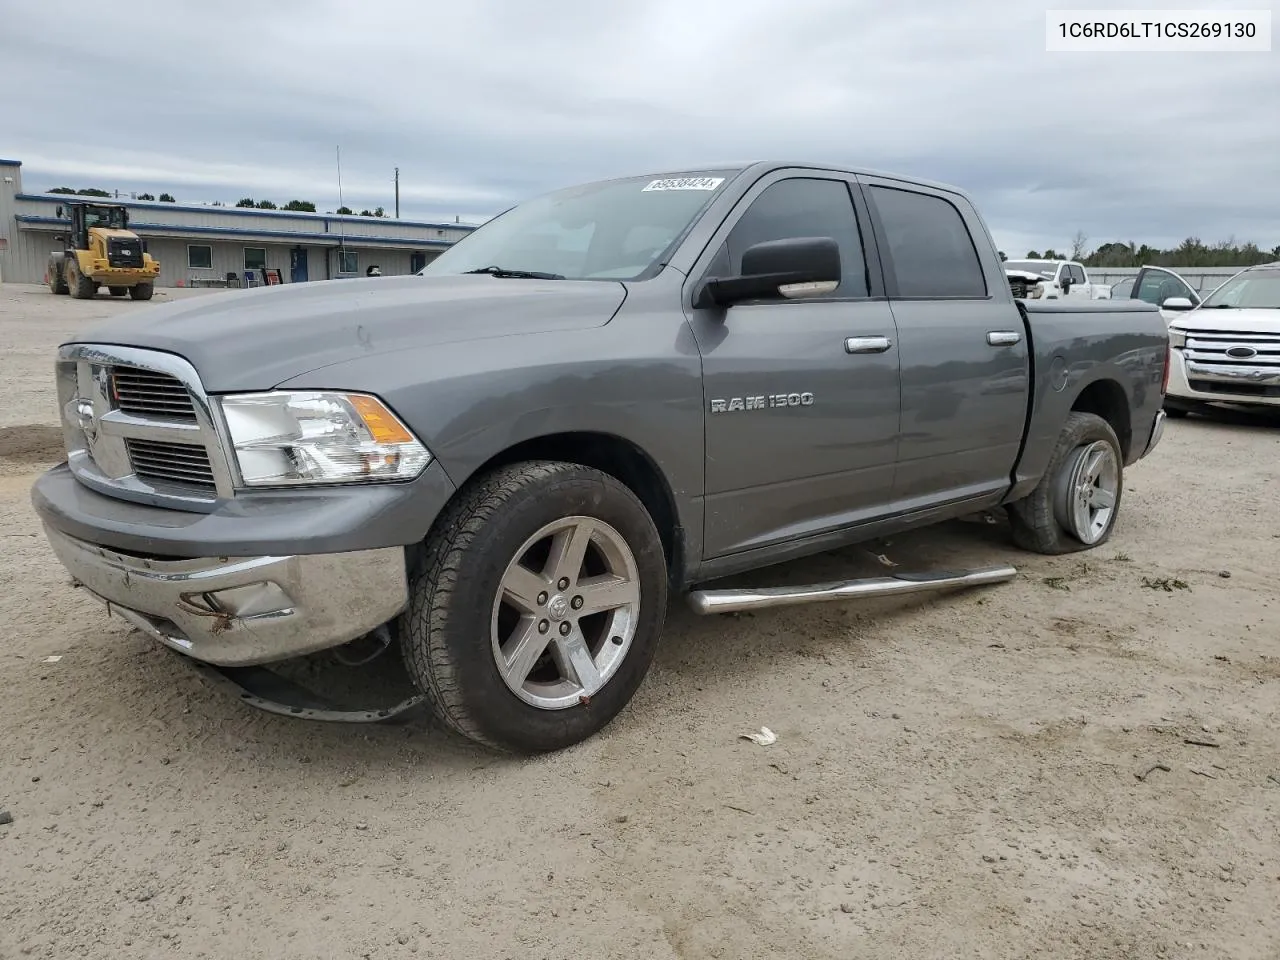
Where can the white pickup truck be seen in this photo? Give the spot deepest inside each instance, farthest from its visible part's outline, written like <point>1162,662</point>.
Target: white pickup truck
<point>1053,280</point>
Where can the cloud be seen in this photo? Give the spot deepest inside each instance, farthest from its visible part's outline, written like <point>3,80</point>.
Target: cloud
<point>484,103</point>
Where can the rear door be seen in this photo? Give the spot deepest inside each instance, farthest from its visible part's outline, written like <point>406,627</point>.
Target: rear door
<point>802,395</point>
<point>962,348</point>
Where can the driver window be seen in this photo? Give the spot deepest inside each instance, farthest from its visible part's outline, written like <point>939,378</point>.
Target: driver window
<point>1157,286</point>
<point>802,207</point>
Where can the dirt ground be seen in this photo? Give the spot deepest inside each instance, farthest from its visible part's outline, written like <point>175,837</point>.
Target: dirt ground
<point>1082,763</point>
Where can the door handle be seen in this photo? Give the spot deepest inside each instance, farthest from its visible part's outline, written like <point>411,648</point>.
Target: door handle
<point>1003,338</point>
<point>867,344</point>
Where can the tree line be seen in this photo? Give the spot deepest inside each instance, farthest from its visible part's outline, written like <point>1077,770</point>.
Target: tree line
<point>95,192</point>
<point>1190,253</point>
<point>293,206</point>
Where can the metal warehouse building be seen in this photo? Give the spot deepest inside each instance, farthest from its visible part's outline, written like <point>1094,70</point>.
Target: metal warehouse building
<point>202,244</point>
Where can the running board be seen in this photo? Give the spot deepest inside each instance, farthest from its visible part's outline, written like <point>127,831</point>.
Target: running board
<point>731,601</point>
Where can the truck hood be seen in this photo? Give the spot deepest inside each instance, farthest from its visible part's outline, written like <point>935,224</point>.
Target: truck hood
<point>255,339</point>
<point>1245,320</point>
<point>1027,275</point>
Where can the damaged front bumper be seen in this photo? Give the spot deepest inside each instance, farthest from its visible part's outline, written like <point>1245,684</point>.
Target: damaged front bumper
<point>239,611</point>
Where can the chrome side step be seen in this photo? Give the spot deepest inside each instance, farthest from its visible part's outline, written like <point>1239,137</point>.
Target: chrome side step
<point>731,601</point>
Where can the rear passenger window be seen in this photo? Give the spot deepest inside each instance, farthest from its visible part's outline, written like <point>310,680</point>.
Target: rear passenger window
<point>932,252</point>
<point>803,207</point>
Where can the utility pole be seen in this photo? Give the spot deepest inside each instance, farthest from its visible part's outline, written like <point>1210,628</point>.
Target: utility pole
<point>397,193</point>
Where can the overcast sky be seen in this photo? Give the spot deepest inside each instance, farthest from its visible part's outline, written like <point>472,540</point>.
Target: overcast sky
<point>484,102</point>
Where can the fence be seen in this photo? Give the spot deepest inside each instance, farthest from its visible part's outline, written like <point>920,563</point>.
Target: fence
<point>1203,279</point>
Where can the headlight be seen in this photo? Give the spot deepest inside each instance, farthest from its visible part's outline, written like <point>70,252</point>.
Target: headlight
<point>290,438</point>
<point>1177,338</point>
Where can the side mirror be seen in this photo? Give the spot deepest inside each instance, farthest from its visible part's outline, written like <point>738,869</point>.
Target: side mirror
<point>58,212</point>
<point>792,268</point>
<point>1177,303</point>
<point>1065,283</point>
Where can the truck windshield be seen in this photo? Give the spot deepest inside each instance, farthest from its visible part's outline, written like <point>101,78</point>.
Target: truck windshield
<point>610,230</point>
<point>110,217</point>
<point>1252,290</point>
<point>1046,268</point>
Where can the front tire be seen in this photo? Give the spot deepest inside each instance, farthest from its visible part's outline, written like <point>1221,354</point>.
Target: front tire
<point>536,610</point>
<point>142,291</point>
<point>82,287</point>
<point>1076,503</point>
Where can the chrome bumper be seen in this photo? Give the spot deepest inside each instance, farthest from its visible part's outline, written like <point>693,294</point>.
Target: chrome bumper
<point>1157,431</point>
<point>236,611</point>
<point>1230,384</point>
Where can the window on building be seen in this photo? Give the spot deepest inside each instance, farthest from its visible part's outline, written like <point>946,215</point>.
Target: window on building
<point>199,256</point>
<point>800,207</point>
<point>255,258</point>
<point>932,252</point>
<point>348,261</point>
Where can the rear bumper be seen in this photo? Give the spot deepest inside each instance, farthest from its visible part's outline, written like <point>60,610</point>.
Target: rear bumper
<point>1218,383</point>
<point>1157,431</point>
<point>235,611</point>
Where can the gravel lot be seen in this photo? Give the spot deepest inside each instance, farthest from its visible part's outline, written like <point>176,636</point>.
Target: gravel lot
<point>964,776</point>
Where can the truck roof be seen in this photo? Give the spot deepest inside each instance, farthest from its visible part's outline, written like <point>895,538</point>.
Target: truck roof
<point>759,167</point>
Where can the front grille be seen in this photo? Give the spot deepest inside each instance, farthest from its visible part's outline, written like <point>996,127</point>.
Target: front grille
<point>124,253</point>
<point>181,463</point>
<point>1216,346</point>
<point>150,394</point>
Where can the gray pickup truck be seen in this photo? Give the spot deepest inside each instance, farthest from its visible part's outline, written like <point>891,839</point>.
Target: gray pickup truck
<point>505,464</point>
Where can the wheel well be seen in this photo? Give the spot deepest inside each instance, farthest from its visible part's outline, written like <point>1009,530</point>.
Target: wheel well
<point>1106,399</point>
<point>620,459</point>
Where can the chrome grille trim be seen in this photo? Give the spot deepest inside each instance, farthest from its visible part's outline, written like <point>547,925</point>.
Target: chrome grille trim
<point>170,462</point>
<point>1217,346</point>
<point>103,435</point>
<point>148,393</point>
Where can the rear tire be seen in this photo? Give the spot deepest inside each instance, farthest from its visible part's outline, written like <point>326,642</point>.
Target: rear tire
<point>57,281</point>
<point>492,634</point>
<point>1076,503</point>
<point>1179,409</point>
<point>142,291</point>
<point>118,291</point>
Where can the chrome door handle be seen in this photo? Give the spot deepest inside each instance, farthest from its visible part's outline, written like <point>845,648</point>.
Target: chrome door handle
<point>867,344</point>
<point>1003,338</point>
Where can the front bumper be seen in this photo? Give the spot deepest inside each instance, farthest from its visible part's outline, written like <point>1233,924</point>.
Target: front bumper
<point>1219,383</point>
<point>236,611</point>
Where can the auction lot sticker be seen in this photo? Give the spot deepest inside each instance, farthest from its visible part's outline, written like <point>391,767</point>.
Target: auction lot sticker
<point>685,183</point>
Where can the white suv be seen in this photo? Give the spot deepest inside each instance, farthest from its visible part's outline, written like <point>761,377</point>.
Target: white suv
<point>1226,349</point>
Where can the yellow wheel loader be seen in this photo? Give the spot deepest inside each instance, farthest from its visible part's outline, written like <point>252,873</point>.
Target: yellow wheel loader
<point>101,251</point>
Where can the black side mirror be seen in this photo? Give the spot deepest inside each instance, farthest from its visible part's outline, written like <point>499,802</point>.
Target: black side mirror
<point>792,268</point>
<point>1065,283</point>
<point>59,211</point>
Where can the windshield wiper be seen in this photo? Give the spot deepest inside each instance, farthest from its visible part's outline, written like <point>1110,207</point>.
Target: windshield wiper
<point>516,274</point>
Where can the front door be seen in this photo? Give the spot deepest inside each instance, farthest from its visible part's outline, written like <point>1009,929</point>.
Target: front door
<point>298,265</point>
<point>801,395</point>
<point>962,346</point>
<point>1156,285</point>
